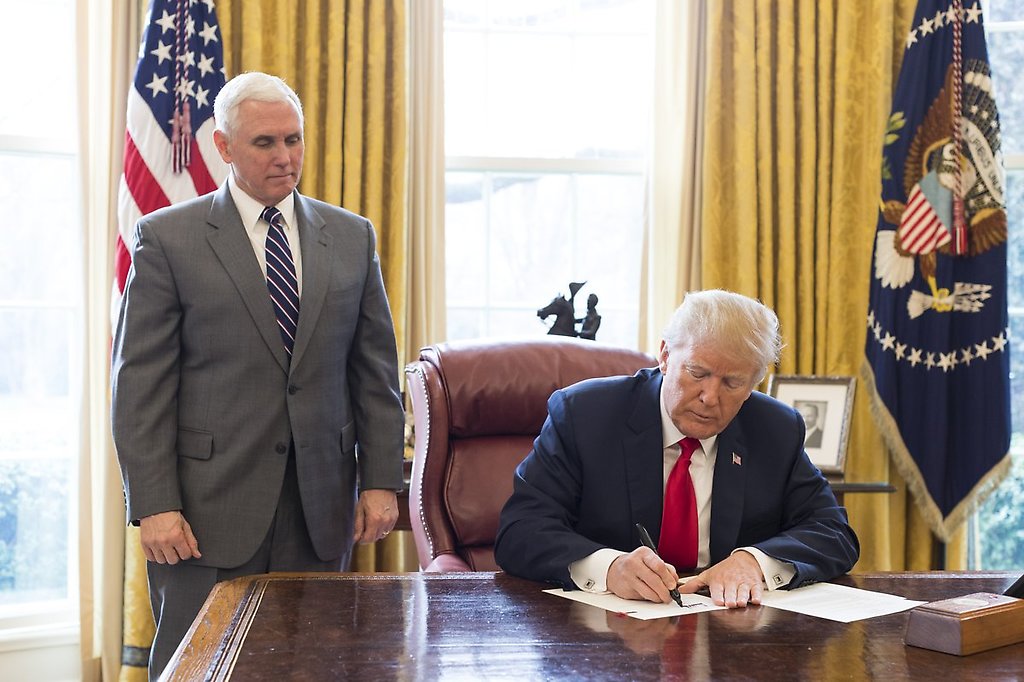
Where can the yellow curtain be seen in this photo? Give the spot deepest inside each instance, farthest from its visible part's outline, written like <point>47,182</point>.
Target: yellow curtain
<point>107,42</point>
<point>670,264</point>
<point>797,98</point>
<point>346,59</point>
<point>425,307</point>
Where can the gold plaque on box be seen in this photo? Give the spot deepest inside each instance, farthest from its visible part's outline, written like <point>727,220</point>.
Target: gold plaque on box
<point>966,625</point>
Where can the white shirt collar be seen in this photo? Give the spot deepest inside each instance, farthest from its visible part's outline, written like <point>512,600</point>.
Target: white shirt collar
<point>670,434</point>
<point>249,210</point>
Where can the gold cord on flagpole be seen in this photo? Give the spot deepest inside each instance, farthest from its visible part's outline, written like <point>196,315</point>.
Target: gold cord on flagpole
<point>959,217</point>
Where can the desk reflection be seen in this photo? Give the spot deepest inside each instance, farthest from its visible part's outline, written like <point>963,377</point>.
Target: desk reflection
<point>689,647</point>
<point>301,624</point>
<point>491,626</point>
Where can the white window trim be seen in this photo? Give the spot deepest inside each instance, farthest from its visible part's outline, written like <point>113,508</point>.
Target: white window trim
<point>509,164</point>
<point>39,636</point>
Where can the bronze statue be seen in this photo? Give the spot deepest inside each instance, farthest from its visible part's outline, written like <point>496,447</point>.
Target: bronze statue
<point>564,310</point>
<point>590,323</point>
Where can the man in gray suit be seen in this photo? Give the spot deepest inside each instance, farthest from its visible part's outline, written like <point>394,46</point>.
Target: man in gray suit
<point>242,442</point>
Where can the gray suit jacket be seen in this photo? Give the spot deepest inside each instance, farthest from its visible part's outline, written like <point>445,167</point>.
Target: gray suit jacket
<point>205,403</point>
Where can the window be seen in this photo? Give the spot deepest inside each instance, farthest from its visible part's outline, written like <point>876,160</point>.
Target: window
<point>41,308</point>
<point>546,126</point>
<point>998,528</point>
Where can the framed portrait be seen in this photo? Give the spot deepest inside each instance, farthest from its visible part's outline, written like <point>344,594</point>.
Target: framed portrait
<point>826,404</point>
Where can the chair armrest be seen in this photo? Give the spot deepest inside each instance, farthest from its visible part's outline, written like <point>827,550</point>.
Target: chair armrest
<point>447,563</point>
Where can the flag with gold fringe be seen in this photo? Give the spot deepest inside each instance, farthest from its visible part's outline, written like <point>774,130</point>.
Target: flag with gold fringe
<point>937,353</point>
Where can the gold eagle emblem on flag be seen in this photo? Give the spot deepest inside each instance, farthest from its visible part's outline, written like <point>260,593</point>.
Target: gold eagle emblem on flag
<point>924,223</point>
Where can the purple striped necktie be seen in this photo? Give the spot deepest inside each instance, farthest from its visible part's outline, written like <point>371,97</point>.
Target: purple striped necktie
<point>281,280</point>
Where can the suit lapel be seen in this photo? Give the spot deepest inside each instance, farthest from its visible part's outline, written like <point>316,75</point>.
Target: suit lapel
<point>727,492</point>
<point>230,242</point>
<point>643,453</point>
<point>316,268</point>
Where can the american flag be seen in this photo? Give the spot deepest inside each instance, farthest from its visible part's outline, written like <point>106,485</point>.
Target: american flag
<point>921,228</point>
<point>169,155</point>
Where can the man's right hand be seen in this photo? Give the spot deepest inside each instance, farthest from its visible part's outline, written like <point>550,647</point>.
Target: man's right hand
<point>167,538</point>
<point>642,574</point>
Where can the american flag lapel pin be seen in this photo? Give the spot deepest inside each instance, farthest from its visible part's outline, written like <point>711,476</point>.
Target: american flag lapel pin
<point>737,460</point>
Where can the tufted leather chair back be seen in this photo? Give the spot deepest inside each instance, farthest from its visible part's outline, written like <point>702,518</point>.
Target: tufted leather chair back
<point>478,405</point>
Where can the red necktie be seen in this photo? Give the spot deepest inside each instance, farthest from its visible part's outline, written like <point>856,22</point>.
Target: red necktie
<point>678,542</point>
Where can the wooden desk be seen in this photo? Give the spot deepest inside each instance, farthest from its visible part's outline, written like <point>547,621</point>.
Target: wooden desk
<point>492,626</point>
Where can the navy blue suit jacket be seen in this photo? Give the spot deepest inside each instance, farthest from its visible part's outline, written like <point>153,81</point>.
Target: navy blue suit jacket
<point>596,470</point>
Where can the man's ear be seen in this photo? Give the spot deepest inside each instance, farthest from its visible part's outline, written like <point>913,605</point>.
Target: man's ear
<point>663,357</point>
<point>220,141</point>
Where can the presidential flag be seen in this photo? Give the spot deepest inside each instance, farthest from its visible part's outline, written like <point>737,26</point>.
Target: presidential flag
<point>169,154</point>
<point>937,348</point>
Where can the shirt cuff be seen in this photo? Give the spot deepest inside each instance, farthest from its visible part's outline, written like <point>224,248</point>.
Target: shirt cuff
<point>591,572</point>
<point>777,574</point>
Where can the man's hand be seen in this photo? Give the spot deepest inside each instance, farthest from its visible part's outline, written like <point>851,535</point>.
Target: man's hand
<point>735,581</point>
<point>642,574</point>
<point>167,538</point>
<point>376,515</point>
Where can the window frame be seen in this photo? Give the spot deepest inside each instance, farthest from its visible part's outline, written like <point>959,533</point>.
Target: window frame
<point>569,167</point>
<point>1013,162</point>
<point>53,622</point>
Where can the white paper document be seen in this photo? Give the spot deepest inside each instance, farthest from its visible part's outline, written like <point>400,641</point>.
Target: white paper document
<point>643,610</point>
<point>837,602</point>
<point>822,600</point>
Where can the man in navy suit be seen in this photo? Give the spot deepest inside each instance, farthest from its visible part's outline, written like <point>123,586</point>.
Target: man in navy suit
<point>765,516</point>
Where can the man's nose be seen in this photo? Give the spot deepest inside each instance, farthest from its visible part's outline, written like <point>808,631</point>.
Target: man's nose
<point>709,392</point>
<point>281,157</point>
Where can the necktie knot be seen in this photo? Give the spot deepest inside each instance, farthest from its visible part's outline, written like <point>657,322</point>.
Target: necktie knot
<point>687,447</point>
<point>272,215</point>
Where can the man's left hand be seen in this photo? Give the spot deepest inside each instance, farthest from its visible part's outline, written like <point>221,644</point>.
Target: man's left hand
<point>733,582</point>
<point>376,515</point>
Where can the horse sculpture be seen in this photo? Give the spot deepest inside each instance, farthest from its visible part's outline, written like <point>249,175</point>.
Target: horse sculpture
<point>565,316</point>
<point>564,310</point>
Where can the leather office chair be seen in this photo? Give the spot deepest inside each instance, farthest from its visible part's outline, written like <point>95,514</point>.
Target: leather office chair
<point>478,405</point>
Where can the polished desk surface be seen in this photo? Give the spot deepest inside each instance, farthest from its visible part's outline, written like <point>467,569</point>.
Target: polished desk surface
<point>492,626</point>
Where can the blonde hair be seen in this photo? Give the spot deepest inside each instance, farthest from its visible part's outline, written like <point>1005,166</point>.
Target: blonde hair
<point>738,325</point>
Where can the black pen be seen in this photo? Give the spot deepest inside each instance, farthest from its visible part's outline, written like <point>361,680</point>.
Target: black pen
<point>645,538</point>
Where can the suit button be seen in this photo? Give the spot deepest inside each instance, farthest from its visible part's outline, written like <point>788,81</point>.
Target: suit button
<point>293,389</point>
<point>281,448</point>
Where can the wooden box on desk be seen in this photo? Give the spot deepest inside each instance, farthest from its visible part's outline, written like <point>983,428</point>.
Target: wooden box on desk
<point>966,625</point>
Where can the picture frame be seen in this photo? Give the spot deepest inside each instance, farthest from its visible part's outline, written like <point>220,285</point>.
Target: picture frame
<point>828,400</point>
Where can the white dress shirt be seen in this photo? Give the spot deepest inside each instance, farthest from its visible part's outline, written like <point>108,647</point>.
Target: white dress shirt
<point>591,572</point>
<point>249,210</point>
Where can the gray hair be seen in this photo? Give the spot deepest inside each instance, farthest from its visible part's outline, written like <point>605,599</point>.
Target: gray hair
<point>251,85</point>
<point>739,326</point>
